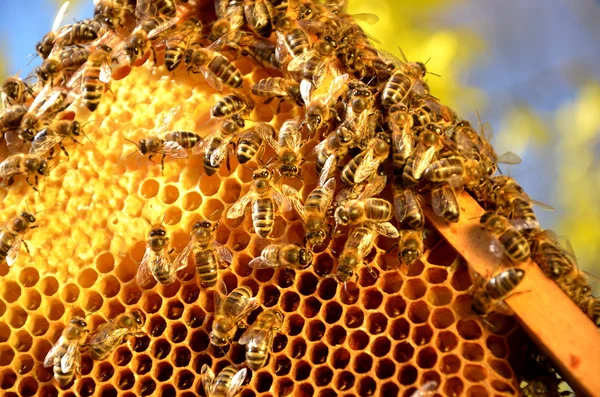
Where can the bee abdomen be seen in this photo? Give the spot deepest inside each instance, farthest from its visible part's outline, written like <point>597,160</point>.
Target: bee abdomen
<point>186,139</point>
<point>173,57</point>
<point>256,356</point>
<point>262,216</point>
<point>505,282</point>
<point>247,149</point>
<point>350,169</point>
<point>227,106</point>
<point>208,167</point>
<point>515,245</point>
<point>443,169</point>
<point>100,351</point>
<point>206,266</point>
<point>225,70</point>
<point>6,242</point>
<point>379,209</point>
<point>297,41</point>
<point>395,90</point>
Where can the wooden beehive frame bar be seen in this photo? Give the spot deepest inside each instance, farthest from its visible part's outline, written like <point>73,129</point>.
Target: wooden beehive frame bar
<point>562,330</point>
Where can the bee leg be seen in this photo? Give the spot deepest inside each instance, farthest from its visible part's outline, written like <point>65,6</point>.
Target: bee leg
<point>371,271</point>
<point>162,163</point>
<point>172,249</point>
<point>62,147</point>
<point>26,247</point>
<point>278,110</point>
<point>153,54</point>
<point>31,184</point>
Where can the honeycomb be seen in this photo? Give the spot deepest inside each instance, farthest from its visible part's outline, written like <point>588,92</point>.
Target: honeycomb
<point>382,336</point>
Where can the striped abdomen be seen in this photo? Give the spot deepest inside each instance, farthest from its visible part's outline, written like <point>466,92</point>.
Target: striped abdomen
<point>228,106</point>
<point>377,209</point>
<point>349,169</point>
<point>186,139</point>
<point>441,170</point>
<point>82,32</point>
<point>225,70</point>
<point>591,306</point>
<point>63,378</point>
<point>501,285</point>
<point>162,274</point>
<point>445,204</point>
<point>247,147</point>
<point>396,89</point>
<point>92,88</point>
<point>515,245</point>
<point>7,239</point>
<point>263,216</point>
<point>297,41</point>
<point>236,302</point>
<point>213,145</point>
<point>223,381</point>
<point>257,355</point>
<point>551,259</point>
<point>174,53</point>
<point>206,266</point>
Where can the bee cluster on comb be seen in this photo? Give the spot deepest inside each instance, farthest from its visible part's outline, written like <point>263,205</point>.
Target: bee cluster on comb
<point>333,282</point>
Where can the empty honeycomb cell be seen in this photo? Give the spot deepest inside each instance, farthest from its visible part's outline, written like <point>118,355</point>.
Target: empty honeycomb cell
<point>358,340</point>
<point>195,317</point>
<point>472,351</point>
<point>340,358</point>
<point>151,302</point>
<point>163,371</point>
<point>231,191</point>
<point>403,352</point>
<point>366,386</point>
<point>366,279</point>
<point>23,364</point>
<point>147,386</point>
<point>454,386</point>
<point>200,360</point>
<point>125,379</point>
<point>28,277</point>
<point>104,371</point>
<point>168,391</point>
<point>169,194</point>
<point>49,285</point>
<point>212,206</point>
<point>307,284</point>
<point>156,326</point>
<point>149,188</point>
<point>115,308</point>
<point>69,293</point>
<point>327,288</point>
<point>170,290</point>
<point>390,389</point>
<point>372,299</point>
<point>395,306</point>
<point>462,305</point>
<point>344,380</point>
<point>8,377</point>
<point>240,264</point>
<point>270,295</point>
<point>282,366</point>
<point>16,317</point>
<point>474,373</point>
<point>501,368</point>
<point>108,391</point>
<point>381,346</point>
<point>295,324</point>
<point>418,312</point>
<point>173,216</point>
<point>239,240</point>
<point>336,335</point>
<point>468,329</point>
<point>422,335</point>
<point>439,296</point>
<point>376,323</point>
<point>290,301</point>
<point>122,356</point>
<point>86,279</point>
<point>40,349</point>
<point>322,376</point>
<point>160,348</point>
<point>92,301</point>
<point>7,354</point>
<point>349,294</point>
<point>191,201</point>
<point>105,262</point>
<point>461,279</point>
<point>413,270</point>
<point>496,346</point>
<point>109,286</point>
<point>436,275</point>
<point>86,387</point>
<point>32,300</point>
<point>48,391</point>
<point>283,386</point>
<point>302,371</point>
<point>37,325</point>
<point>10,291</point>
<point>332,312</point>
<point>184,380</point>
<point>263,382</point>
<point>28,386</point>
<point>385,369</point>
<point>442,254</point>
<point>408,375</point>
<point>181,356</point>
<point>87,364</point>
<point>446,341</point>
<point>209,185</point>
<point>391,282</point>
<point>4,332</point>
<point>399,329</point>
<point>237,353</point>
<point>54,309</point>
<point>323,264</point>
<point>284,278</point>
<point>126,269</point>
<point>427,357</point>
<point>327,393</point>
<point>319,353</point>
<point>414,289</point>
<point>442,318</point>
<point>264,275</point>
<point>177,332</point>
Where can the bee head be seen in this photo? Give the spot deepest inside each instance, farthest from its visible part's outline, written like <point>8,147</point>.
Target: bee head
<point>143,146</point>
<point>158,232</point>
<point>484,218</point>
<point>76,129</point>
<point>29,216</point>
<point>26,134</point>
<point>202,225</point>
<point>78,322</point>
<point>289,170</point>
<point>132,52</point>
<point>409,256</point>
<point>11,88</point>
<point>220,28</point>
<point>305,257</point>
<point>261,174</point>
<point>43,168</point>
<point>341,216</point>
<point>42,74</point>
<point>218,340</point>
<point>104,47</point>
<point>139,317</point>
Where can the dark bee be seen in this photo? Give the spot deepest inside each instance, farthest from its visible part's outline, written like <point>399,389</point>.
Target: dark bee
<point>215,146</point>
<point>11,236</point>
<point>231,106</point>
<point>65,355</point>
<point>487,295</point>
<point>111,334</point>
<point>259,17</point>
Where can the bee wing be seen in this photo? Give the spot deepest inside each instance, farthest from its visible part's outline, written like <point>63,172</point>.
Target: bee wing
<point>280,49</point>
<point>374,187</point>
<point>509,158</point>
<point>71,356</point>
<point>60,15</point>
<point>367,167</point>
<point>391,58</point>
<point>369,18</point>
<point>105,72</point>
<point>543,206</point>
<point>237,209</point>
<point>306,88</point>
<point>13,253</point>
<point>108,334</point>
<point>404,142</point>
<point>261,263</point>
<point>40,98</point>
<point>337,85</point>
<point>254,334</point>
<point>366,244</point>
<point>496,248</point>
<point>14,143</point>
<point>294,196</point>
<point>223,253</point>
<point>297,64</point>
<point>49,360</point>
<point>385,229</point>
<point>42,142</point>
<point>208,379</point>
<point>181,261</point>
<point>283,203</point>
<point>166,121</point>
<point>427,390</point>
<point>423,161</point>
<point>219,154</point>
<point>249,308</point>
<point>212,79</point>
<point>319,72</point>
<point>329,165</point>
<point>265,131</point>
<point>521,224</point>
<point>143,274</point>
<point>52,100</point>
<point>155,33</point>
<point>236,382</point>
<point>173,149</point>
<point>293,140</point>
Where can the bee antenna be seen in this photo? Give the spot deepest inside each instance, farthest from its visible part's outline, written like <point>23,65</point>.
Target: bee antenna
<point>427,61</point>
<point>435,74</point>
<point>220,211</point>
<point>163,218</point>
<point>32,56</point>
<point>147,220</point>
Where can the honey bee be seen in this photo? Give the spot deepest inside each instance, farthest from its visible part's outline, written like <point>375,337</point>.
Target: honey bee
<point>291,39</point>
<point>96,75</point>
<point>553,259</point>
<point>407,207</point>
<point>232,106</point>
<point>410,245</point>
<point>359,243</point>
<point>330,152</point>
<point>177,44</point>
<point>165,8</point>
<point>314,63</point>
<point>215,146</point>
<point>259,338</point>
<point>229,313</point>
<point>139,42</point>
<point>111,334</point>
<point>208,253</point>
<point>543,386</point>
<point>282,255</point>
<point>359,98</point>
<point>215,67</point>
<point>156,261</point>
<point>445,203</point>
<point>429,144</point>
<point>319,109</point>
<point>278,87</point>
<point>168,143</point>
<point>591,306</point>
<point>313,212</point>
<point>65,355</point>
<point>487,295</point>
<point>11,236</point>
<point>457,170</point>
<point>506,237</point>
<point>259,17</point>
<point>405,83</point>
<point>226,384</point>
<point>263,197</point>
<point>21,163</point>
<point>10,119</point>
<point>113,13</point>
<point>427,390</point>
<point>52,135</point>
<point>263,52</point>
<point>365,164</point>
<point>61,63</point>
<point>249,144</point>
<point>231,17</point>
<point>15,91</point>
<point>288,148</point>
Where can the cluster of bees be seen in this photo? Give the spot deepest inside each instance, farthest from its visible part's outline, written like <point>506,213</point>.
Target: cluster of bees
<point>381,135</point>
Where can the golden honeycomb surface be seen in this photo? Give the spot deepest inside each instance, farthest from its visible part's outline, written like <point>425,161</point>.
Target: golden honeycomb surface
<point>382,336</point>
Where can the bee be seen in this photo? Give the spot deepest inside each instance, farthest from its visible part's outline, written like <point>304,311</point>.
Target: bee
<point>553,259</point>
<point>168,143</point>
<point>287,148</point>
<point>364,165</point>
<point>543,386</point>
<point>291,39</point>
<point>215,67</point>
<point>313,212</point>
<point>278,87</point>
<point>52,135</point>
<point>259,338</point>
<point>282,255</point>
<point>96,75</point>
<point>11,236</point>
<point>445,203</point>
<point>232,106</point>
<point>319,109</point>
<point>279,8</point>
<point>177,44</point>
<point>226,384</point>
<point>259,17</point>
<point>113,13</point>
<point>15,91</point>
<point>359,243</point>
<point>506,236</point>
<point>455,169</point>
<point>215,145</point>
<point>229,312</point>
<point>10,120</point>
<point>330,152</point>
<point>165,8</point>
<point>21,163</point>
<point>65,61</point>
<point>208,253</point>
<point>487,295</point>
<point>231,17</point>
<point>314,63</point>
<point>249,144</point>
<point>65,355</point>
<point>430,142</point>
<point>156,261</point>
<point>111,334</point>
<point>407,207</point>
<point>359,98</point>
<point>262,51</point>
<point>590,306</point>
<point>410,245</point>
<point>406,83</point>
<point>263,197</point>
<point>139,42</point>
<point>427,390</point>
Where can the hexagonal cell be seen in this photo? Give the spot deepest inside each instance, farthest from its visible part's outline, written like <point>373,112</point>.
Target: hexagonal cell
<point>472,351</point>
<point>147,386</point>
<point>302,371</point>
<point>323,264</point>
<point>149,188</point>
<point>86,387</point>
<point>442,255</point>
<point>390,389</point>
<point>109,286</point>
<point>372,299</point>
<point>310,307</point>
<point>11,291</point>
<point>307,283</point>
<point>385,369</point>
<point>32,300</point>
<point>2,308</point>
<point>284,386</point>
<point>475,373</point>
<point>358,340</point>
<point>344,380</point>
<point>381,346</point>
<point>427,357</point>
<point>177,332</point>
<point>363,363</point>
<point>290,301</point>
<point>174,310</point>
<point>5,333</point>
<point>408,375</point>
<point>500,367</point>
<point>191,201</point>
<point>414,289</point>
<point>461,279</point>
<point>168,391</point>
<point>283,366</point>
<point>270,295</point>
<point>16,317</point>
<point>285,277</point>
<point>349,294</point>
<point>391,282</point>
<point>161,349</point>
<point>502,386</point>
<point>7,378</point>
<point>263,382</point>
<point>28,277</point>
<point>439,296</point>
<point>327,288</point>
<point>181,356</point>
<point>125,379</point>
<point>395,306</point>
<point>104,371</point>
<point>340,358</point>
<point>446,341</point>
<point>24,364</point>
<point>54,309</point>
<point>354,317</point>
<point>28,386</point>
<point>468,329</point>
<point>332,312</point>
<point>108,391</point>
<point>69,293</point>
<point>141,343</point>
<point>422,335</point>
<point>418,312</point>
<point>163,371</point>
<point>86,279</point>
<point>413,270</point>
<point>442,318</point>
<point>322,376</point>
<point>122,356</point>
<point>240,265</point>
<point>436,275</point>
<point>336,335</point>
<point>49,390</point>
<point>319,353</point>
<point>200,361</point>
<point>366,279</point>
<point>298,348</point>
<point>454,387</point>
<point>126,269</point>
<point>497,346</point>
<point>184,380</point>
<point>399,329</point>
<point>403,352</point>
